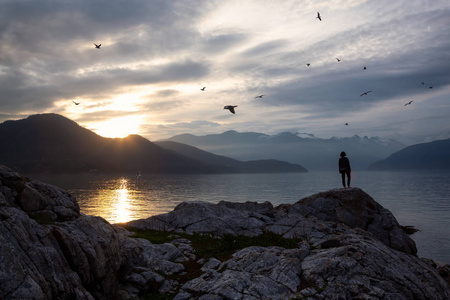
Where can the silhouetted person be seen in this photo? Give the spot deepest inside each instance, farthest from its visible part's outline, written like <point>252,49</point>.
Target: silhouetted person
<point>344,168</point>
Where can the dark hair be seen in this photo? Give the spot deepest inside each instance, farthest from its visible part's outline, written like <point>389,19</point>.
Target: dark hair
<point>343,153</point>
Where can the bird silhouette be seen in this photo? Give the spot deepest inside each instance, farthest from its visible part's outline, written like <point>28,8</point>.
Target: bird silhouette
<point>346,124</point>
<point>260,96</point>
<point>308,65</point>
<point>338,59</point>
<point>76,103</point>
<point>423,83</point>
<point>230,108</point>
<point>365,93</point>
<point>318,16</point>
<point>97,46</point>
<point>203,88</point>
<point>431,86</point>
<point>365,68</point>
<point>409,102</point>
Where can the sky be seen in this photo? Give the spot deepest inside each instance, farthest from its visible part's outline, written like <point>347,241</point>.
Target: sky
<point>156,55</point>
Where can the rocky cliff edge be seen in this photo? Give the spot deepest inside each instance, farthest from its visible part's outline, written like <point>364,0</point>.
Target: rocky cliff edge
<point>350,247</point>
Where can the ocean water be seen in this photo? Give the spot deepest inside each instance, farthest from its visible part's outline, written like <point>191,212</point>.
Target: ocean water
<point>420,199</point>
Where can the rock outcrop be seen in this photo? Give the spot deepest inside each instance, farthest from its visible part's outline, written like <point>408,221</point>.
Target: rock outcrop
<point>313,218</point>
<point>350,248</point>
<point>49,250</point>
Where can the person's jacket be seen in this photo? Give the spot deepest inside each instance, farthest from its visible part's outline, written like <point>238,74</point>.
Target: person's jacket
<point>344,164</point>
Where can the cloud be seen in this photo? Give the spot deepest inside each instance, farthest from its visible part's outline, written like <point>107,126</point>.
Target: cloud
<point>153,131</point>
<point>195,124</point>
<point>47,47</point>
<point>264,48</point>
<point>156,55</point>
<point>104,115</point>
<point>216,43</point>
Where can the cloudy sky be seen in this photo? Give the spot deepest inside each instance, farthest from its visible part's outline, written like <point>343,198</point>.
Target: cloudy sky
<point>156,55</point>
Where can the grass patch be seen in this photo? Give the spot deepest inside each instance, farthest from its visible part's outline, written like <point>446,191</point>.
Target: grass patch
<point>156,236</point>
<point>223,248</point>
<point>208,246</point>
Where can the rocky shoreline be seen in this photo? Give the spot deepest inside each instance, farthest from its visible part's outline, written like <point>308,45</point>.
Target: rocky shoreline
<point>350,247</point>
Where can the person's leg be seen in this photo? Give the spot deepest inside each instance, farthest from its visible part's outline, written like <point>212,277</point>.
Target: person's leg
<point>349,177</point>
<point>343,179</point>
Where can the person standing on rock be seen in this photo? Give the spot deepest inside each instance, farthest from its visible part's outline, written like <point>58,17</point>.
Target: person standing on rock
<point>344,169</point>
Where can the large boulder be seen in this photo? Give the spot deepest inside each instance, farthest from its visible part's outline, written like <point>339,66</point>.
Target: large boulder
<point>49,250</point>
<point>204,217</point>
<point>357,267</point>
<point>331,212</point>
<point>356,209</point>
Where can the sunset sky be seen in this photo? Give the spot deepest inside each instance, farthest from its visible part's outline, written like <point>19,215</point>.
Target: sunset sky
<point>155,57</point>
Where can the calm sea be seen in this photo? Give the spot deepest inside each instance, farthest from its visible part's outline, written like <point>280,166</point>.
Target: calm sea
<point>420,199</point>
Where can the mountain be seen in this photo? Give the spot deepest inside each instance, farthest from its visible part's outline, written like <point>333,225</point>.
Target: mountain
<point>304,149</point>
<point>427,156</point>
<point>53,143</point>
<point>232,165</point>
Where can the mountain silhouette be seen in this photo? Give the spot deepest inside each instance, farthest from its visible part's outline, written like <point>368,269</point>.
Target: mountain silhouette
<point>304,149</point>
<point>426,156</point>
<point>51,143</point>
<point>232,165</point>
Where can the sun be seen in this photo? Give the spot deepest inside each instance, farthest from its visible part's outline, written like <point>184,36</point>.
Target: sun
<point>118,127</point>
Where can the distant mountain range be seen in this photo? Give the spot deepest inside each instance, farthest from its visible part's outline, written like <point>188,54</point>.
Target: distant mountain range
<point>53,143</point>
<point>251,166</point>
<point>305,149</point>
<point>427,156</point>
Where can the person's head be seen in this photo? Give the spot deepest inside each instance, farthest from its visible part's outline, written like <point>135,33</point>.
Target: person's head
<point>343,154</point>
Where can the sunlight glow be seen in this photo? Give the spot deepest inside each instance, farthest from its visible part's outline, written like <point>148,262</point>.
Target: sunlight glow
<point>118,127</point>
<point>122,207</point>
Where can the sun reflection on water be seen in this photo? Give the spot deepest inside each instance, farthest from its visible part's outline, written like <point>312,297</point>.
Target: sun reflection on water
<point>114,200</point>
<point>123,203</point>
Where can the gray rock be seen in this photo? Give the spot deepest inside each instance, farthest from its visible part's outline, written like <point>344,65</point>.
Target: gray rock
<point>205,217</point>
<point>369,269</point>
<point>30,200</point>
<point>312,218</point>
<point>213,263</point>
<point>354,208</point>
<point>48,250</point>
<point>44,216</point>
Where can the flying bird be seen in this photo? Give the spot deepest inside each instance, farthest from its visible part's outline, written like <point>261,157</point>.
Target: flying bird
<point>308,65</point>
<point>346,124</point>
<point>203,88</point>
<point>97,46</point>
<point>365,93</point>
<point>260,96</point>
<point>365,68</point>
<point>423,83</point>
<point>431,86</point>
<point>318,16</point>
<point>409,102</point>
<point>230,108</point>
<point>76,103</point>
<point>338,59</point>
